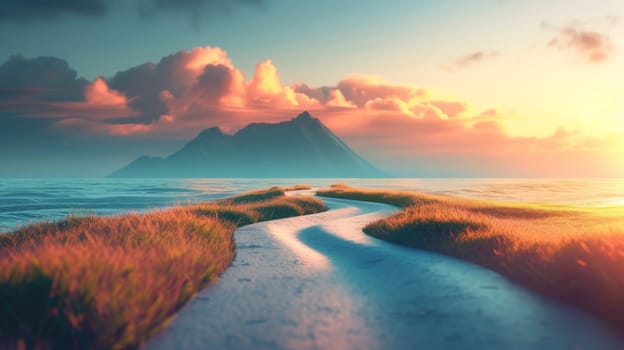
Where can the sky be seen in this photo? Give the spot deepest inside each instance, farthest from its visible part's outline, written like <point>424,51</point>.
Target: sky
<point>466,88</point>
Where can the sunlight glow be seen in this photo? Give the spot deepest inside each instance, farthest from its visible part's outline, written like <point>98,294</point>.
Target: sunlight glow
<point>287,235</point>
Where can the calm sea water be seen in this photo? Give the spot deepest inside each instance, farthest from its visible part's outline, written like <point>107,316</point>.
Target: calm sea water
<point>24,201</point>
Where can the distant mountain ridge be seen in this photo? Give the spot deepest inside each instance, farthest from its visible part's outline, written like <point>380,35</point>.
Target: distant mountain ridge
<point>301,147</point>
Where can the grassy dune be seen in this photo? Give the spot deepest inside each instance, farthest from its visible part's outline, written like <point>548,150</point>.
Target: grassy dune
<point>573,254</point>
<point>111,282</point>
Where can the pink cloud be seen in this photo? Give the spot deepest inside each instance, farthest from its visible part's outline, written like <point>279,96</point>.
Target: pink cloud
<point>101,102</point>
<point>451,109</point>
<point>593,46</point>
<point>191,90</point>
<point>98,93</point>
<point>375,94</point>
<point>389,104</point>
<point>202,86</point>
<point>198,86</point>
<point>429,111</point>
<point>478,148</point>
<point>472,58</point>
<point>360,89</point>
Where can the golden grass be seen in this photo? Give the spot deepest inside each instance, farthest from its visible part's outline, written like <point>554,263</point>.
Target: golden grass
<point>111,282</point>
<point>574,254</point>
<point>298,187</point>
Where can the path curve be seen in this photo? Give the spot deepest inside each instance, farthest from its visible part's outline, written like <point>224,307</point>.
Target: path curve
<point>318,282</point>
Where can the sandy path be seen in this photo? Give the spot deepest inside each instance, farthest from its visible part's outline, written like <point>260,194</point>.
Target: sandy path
<point>318,282</point>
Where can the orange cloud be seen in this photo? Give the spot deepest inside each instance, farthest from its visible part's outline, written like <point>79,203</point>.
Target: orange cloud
<point>101,102</point>
<point>435,146</point>
<point>265,88</point>
<point>375,94</point>
<point>200,57</point>
<point>359,89</point>
<point>429,111</point>
<point>98,93</point>
<point>337,99</point>
<point>451,109</point>
<point>389,104</point>
<point>265,80</point>
<point>194,89</point>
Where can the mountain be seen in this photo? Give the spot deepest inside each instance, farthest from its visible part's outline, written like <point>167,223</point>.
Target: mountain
<point>301,147</point>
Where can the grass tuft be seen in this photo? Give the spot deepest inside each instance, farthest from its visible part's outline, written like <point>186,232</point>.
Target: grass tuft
<point>573,254</point>
<point>112,282</point>
<point>298,187</point>
<point>255,196</point>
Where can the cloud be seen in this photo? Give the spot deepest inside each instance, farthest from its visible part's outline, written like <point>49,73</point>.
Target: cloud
<point>101,102</point>
<point>389,104</point>
<point>46,87</point>
<point>195,88</point>
<point>337,100</point>
<point>189,90</point>
<point>359,89</point>
<point>31,10</point>
<point>47,10</point>
<point>50,78</point>
<point>451,109</point>
<point>179,82</point>
<point>196,7</point>
<point>594,47</point>
<point>451,147</point>
<point>266,88</point>
<point>473,58</point>
<point>374,94</point>
<point>216,82</point>
<point>98,93</point>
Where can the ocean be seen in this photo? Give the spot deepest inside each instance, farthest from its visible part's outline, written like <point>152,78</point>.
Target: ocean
<point>24,201</point>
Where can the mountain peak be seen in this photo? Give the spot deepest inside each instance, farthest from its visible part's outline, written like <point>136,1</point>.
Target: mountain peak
<point>306,119</point>
<point>305,115</point>
<point>301,147</point>
<point>214,131</point>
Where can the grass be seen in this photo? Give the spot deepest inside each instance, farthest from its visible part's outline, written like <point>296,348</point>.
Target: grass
<point>298,187</point>
<point>572,254</point>
<point>112,282</point>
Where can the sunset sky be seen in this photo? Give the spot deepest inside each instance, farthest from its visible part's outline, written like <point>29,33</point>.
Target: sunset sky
<point>522,88</point>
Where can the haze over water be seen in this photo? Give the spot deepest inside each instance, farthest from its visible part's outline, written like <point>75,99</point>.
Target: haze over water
<point>30,200</point>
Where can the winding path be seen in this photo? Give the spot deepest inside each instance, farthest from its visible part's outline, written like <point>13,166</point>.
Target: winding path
<point>318,282</point>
